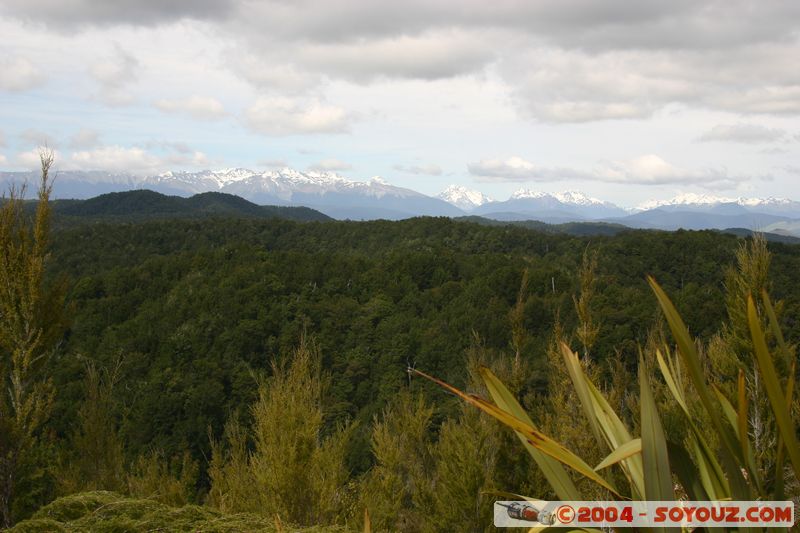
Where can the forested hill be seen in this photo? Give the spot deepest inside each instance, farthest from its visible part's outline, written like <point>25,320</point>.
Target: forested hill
<point>141,205</point>
<point>193,308</point>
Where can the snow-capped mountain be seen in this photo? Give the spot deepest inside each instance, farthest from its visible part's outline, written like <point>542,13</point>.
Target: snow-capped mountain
<point>327,192</point>
<point>463,198</point>
<point>724,205</point>
<point>341,197</point>
<point>557,207</point>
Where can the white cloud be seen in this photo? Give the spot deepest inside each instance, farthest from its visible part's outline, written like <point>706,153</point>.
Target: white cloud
<point>84,138</point>
<point>647,169</point>
<point>281,116</point>
<point>30,159</point>
<point>517,169</point>
<point>333,165</point>
<point>19,74</point>
<point>3,159</point>
<point>132,160</point>
<point>116,159</point>
<point>2,140</point>
<point>199,107</point>
<point>426,170</point>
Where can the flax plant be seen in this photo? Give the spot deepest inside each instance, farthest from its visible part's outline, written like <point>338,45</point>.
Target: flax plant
<point>709,463</point>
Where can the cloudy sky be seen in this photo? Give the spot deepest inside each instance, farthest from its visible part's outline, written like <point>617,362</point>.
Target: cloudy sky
<point>626,101</point>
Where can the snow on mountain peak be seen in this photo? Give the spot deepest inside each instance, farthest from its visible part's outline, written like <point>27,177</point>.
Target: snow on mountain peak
<point>694,199</point>
<point>576,198</point>
<point>565,197</point>
<point>463,198</point>
<point>528,193</point>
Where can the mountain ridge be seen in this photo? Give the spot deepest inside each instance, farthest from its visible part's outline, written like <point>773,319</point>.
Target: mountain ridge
<point>344,198</point>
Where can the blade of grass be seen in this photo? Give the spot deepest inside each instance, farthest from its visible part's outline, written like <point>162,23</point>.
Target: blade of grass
<point>367,522</point>
<point>790,381</point>
<point>655,457</point>
<point>576,374</point>
<point>608,424</point>
<point>687,472</point>
<point>780,456</point>
<point>731,451</point>
<point>714,480</point>
<point>727,407</point>
<point>632,447</point>
<point>537,439</point>
<point>555,474</point>
<point>777,400</point>
<point>658,482</point>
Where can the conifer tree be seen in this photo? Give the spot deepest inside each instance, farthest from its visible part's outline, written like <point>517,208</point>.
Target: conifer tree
<point>96,459</point>
<point>32,322</point>
<point>294,471</point>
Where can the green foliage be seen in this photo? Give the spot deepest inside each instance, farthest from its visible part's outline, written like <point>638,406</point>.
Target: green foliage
<point>109,512</point>
<point>95,457</point>
<point>587,330</point>
<point>466,457</point>
<point>397,490</point>
<point>32,322</point>
<point>171,482</point>
<point>294,471</point>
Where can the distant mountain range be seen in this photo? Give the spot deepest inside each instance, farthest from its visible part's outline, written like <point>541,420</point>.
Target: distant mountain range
<point>342,198</point>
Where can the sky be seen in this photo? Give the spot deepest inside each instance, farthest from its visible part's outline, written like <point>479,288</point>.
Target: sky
<point>625,101</point>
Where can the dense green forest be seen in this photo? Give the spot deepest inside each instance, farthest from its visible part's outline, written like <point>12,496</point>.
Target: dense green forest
<point>181,320</point>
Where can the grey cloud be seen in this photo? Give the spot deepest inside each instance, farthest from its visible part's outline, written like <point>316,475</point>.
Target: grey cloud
<point>35,137</point>
<point>71,13</point>
<point>84,138</point>
<point>584,24</point>
<point>562,60</point>
<point>426,170</point>
<point>115,73</point>
<point>571,23</point>
<point>558,85</point>
<point>429,56</point>
<point>19,74</point>
<point>742,133</point>
<point>791,169</point>
<point>117,69</point>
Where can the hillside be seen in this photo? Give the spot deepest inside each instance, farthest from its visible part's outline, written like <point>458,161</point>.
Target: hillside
<point>141,205</point>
